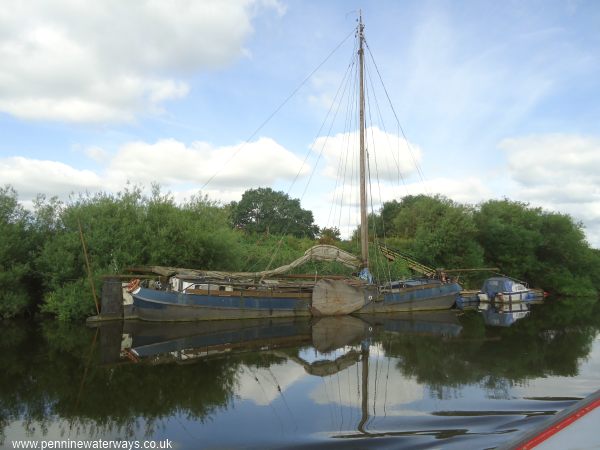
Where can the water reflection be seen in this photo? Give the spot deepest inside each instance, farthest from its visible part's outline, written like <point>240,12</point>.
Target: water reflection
<point>405,378</point>
<point>504,313</point>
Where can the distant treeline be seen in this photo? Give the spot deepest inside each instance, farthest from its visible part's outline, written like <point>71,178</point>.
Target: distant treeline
<point>42,264</point>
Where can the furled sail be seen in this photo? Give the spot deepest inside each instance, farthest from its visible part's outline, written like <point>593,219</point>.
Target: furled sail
<point>315,253</point>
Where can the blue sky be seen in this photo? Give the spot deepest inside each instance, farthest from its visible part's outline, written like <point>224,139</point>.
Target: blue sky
<point>497,99</point>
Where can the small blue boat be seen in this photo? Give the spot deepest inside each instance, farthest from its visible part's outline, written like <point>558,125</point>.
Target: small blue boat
<point>508,289</point>
<point>503,314</point>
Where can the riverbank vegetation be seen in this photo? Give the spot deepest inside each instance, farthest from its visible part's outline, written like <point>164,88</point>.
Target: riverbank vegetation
<point>42,265</point>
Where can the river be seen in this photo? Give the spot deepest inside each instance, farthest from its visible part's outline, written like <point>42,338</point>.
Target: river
<point>454,379</point>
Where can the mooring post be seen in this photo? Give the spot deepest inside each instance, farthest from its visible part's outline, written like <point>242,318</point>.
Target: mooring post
<point>112,298</point>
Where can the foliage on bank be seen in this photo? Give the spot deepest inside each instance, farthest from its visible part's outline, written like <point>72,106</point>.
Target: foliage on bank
<point>546,249</point>
<point>264,210</point>
<point>42,265</point>
<point>120,230</point>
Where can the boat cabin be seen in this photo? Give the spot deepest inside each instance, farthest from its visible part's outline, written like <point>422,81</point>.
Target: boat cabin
<point>181,284</point>
<point>495,285</point>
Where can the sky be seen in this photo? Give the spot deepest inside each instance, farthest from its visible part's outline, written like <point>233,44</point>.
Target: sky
<point>494,100</point>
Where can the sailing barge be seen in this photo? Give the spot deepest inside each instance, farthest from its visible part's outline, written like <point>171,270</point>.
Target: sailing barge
<point>190,295</point>
<point>209,295</point>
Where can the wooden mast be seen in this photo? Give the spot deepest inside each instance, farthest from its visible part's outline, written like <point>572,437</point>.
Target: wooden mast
<point>365,347</point>
<point>364,228</point>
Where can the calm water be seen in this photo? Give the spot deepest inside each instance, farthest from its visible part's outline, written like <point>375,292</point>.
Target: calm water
<point>453,380</point>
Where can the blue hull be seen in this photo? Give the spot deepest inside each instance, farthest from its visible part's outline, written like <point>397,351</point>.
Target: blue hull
<point>156,305</point>
<point>213,338</point>
<point>444,323</point>
<point>150,304</point>
<point>425,297</point>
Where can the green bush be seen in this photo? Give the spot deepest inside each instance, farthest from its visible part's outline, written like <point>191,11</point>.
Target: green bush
<point>72,301</point>
<point>17,244</point>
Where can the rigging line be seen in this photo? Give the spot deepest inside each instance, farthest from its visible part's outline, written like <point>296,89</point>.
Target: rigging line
<point>351,412</point>
<point>341,402</point>
<point>83,378</point>
<point>282,396</point>
<point>340,163</point>
<point>350,122</point>
<point>376,237</point>
<point>377,254</point>
<point>87,366</point>
<point>397,120</point>
<point>281,105</point>
<point>333,103</point>
<point>252,372</point>
<point>345,157</point>
<point>383,228</point>
<point>189,433</point>
<point>368,159</point>
<point>358,379</point>
<point>322,150</point>
<point>343,162</point>
<point>395,157</point>
<point>354,176</point>
<point>330,405</point>
<point>387,377</point>
<point>396,160</point>
<point>377,258</point>
<point>376,382</point>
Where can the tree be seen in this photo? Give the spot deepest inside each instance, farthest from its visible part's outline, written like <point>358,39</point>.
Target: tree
<point>510,234</point>
<point>329,235</point>
<point>436,230</point>
<point>129,229</point>
<point>546,249</point>
<point>16,249</point>
<point>264,210</point>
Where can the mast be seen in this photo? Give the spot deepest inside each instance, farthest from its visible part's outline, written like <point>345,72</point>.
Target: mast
<point>364,228</point>
<point>364,407</point>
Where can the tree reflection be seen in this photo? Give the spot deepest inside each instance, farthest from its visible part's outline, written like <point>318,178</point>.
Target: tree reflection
<point>54,373</point>
<point>550,342</point>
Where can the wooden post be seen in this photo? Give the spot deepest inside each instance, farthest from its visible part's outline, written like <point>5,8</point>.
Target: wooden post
<point>87,264</point>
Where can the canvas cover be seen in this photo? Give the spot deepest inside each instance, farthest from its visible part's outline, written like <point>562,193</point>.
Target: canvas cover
<point>493,286</point>
<point>315,253</point>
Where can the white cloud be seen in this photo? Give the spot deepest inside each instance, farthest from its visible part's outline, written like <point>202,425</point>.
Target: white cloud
<point>391,157</point>
<point>559,172</point>
<point>463,190</point>
<point>168,161</point>
<point>182,169</point>
<point>387,395</point>
<point>31,176</point>
<point>264,385</point>
<point>97,154</point>
<point>545,159</point>
<point>340,206</point>
<point>325,84</point>
<point>107,61</point>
